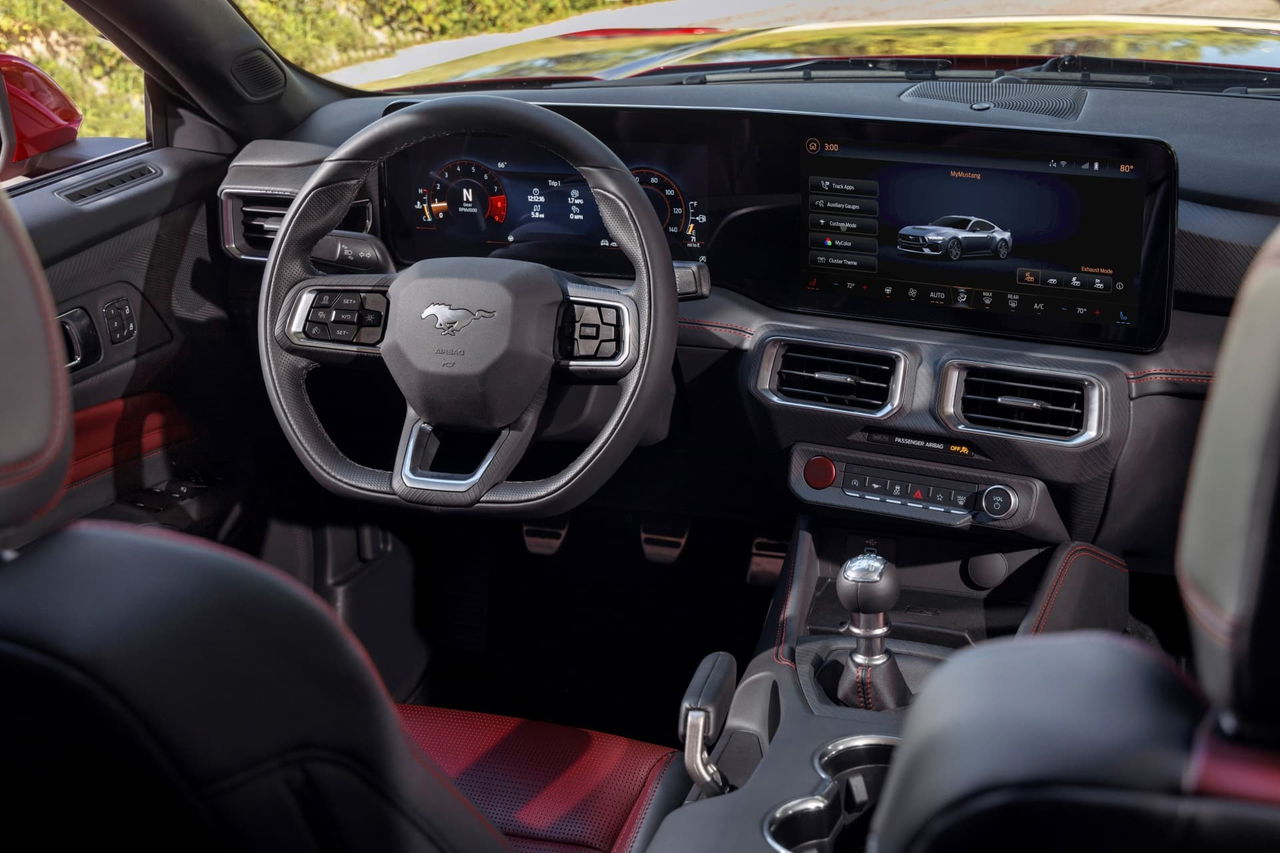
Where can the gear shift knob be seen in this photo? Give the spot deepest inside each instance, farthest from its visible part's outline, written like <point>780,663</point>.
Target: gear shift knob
<point>867,584</point>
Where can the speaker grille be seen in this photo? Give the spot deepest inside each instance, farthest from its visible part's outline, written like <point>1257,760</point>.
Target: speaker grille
<point>258,74</point>
<point>1063,102</point>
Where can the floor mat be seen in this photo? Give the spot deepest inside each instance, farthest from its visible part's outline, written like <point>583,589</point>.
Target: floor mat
<point>594,636</point>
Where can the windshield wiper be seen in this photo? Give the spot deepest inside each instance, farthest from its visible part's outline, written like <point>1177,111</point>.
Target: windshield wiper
<point>1179,76</point>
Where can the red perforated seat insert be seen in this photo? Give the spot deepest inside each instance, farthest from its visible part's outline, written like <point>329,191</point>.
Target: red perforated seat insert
<point>548,788</point>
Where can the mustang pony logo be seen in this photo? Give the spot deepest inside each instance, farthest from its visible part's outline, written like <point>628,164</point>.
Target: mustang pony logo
<point>450,320</point>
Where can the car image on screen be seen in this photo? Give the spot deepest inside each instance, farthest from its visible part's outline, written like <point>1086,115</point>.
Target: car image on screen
<point>953,237</point>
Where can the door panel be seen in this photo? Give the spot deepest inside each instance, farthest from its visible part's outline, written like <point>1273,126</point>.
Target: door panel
<point>139,276</point>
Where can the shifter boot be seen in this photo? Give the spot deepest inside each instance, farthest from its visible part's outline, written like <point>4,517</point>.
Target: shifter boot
<point>879,687</point>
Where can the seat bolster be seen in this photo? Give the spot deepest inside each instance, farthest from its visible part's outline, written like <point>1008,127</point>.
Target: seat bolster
<point>1083,709</point>
<point>247,693</point>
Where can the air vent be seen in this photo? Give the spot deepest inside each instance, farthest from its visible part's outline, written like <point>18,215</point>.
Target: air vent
<point>1043,406</point>
<point>1063,102</point>
<point>113,183</point>
<point>250,221</point>
<point>833,377</point>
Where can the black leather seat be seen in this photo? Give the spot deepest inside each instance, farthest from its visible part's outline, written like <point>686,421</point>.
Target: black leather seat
<point>1092,741</point>
<point>161,691</point>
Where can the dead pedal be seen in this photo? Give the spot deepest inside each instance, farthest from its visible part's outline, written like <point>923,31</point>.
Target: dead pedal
<point>767,558</point>
<point>663,539</point>
<point>545,537</point>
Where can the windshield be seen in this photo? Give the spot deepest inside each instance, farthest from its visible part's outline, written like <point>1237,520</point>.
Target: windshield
<point>404,45</point>
<point>951,222</point>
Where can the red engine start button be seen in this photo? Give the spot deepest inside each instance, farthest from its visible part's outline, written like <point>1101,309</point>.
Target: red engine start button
<point>819,472</point>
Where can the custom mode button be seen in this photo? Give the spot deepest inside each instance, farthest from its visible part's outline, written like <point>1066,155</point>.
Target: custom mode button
<point>845,224</point>
<point>1097,283</point>
<point>1028,276</point>
<point>842,204</point>
<point>837,260</point>
<point>841,243</point>
<point>847,186</point>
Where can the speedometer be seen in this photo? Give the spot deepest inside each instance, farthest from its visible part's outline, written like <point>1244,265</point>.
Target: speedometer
<point>667,200</point>
<point>465,195</point>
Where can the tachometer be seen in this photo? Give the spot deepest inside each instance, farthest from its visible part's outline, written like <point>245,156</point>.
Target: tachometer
<point>668,202</point>
<point>463,194</point>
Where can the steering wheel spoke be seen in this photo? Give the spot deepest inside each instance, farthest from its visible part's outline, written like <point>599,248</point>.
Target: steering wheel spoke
<point>598,331</point>
<point>337,313</point>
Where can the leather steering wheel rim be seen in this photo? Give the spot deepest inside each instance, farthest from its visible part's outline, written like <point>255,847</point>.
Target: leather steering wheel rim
<point>318,209</point>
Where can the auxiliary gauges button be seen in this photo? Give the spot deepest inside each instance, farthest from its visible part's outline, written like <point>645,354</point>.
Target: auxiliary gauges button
<point>819,472</point>
<point>999,502</point>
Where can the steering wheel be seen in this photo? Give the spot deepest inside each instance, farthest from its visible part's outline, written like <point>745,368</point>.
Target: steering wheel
<point>474,344</point>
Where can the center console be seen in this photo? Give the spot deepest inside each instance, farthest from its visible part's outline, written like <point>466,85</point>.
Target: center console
<point>795,758</point>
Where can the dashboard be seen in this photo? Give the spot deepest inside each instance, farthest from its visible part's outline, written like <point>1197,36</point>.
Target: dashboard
<point>1058,236</point>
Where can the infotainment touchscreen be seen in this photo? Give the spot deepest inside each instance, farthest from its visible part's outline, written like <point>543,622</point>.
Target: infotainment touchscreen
<point>1029,233</point>
<point>1037,241</point>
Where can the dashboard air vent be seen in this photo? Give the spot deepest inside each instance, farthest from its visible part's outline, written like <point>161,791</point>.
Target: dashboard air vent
<point>250,221</point>
<point>1039,405</point>
<point>835,377</point>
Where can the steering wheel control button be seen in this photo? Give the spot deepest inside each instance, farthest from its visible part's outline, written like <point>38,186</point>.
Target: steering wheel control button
<point>999,502</point>
<point>323,300</point>
<point>341,316</point>
<point>347,302</point>
<point>317,331</point>
<point>594,334</point>
<point>320,315</point>
<point>365,317</point>
<point>342,333</point>
<point>819,472</point>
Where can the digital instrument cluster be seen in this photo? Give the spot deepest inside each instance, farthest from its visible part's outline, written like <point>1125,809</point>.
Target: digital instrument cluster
<point>512,199</point>
<point>1047,235</point>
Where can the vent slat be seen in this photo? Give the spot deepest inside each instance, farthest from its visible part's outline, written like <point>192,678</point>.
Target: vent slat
<point>854,380</point>
<point>1038,405</point>
<point>262,216</point>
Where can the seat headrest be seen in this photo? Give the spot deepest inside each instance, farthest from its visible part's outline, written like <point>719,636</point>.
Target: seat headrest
<point>1227,550</point>
<point>35,395</point>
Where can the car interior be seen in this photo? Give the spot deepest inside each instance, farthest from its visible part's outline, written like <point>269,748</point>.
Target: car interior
<point>883,462</point>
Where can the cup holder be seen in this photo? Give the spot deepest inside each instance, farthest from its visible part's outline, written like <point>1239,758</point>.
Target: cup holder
<point>837,816</point>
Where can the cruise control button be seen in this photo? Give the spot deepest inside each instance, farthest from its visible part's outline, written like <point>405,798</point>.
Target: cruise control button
<point>320,315</point>
<point>347,301</point>
<point>323,300</point>
<point>343,316</point>
<point>317,331</point>
<point>342,333</point>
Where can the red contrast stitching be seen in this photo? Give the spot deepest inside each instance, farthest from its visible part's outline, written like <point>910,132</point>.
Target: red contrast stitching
<point>782,623</point>
<point>1170,370</point>
<point>1170,379</point>
<point>726,328</point>
<point>1060,579</point>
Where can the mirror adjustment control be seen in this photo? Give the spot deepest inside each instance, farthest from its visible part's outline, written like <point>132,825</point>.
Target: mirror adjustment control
<point>999,502</point>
